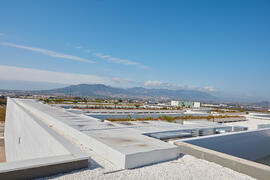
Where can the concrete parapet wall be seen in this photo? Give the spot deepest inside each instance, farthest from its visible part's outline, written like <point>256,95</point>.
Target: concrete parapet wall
<point>250,168</point>
<point>250,145</point>
<point>151,157</point>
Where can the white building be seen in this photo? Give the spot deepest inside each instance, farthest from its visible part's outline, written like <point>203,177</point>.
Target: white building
<point>174,103</point>
<point>197,104</point>
<point>186,104</point>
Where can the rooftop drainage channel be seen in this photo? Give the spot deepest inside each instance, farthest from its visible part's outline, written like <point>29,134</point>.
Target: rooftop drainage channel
<point>240,151</point>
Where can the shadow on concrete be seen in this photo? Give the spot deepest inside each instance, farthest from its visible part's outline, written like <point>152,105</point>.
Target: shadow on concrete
<point>91,166</point>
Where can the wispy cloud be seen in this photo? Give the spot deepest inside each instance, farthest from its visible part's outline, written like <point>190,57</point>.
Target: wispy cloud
<point>153,83</point>
<point>113,59</point>
<point>49,53</point>
<point>11,73</point>
<point>165,85</point>
<point>209,88</point>
<point>119,61</point>
<point>36,75</point>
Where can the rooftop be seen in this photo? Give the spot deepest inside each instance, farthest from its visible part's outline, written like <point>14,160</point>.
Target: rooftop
<point>115,148</point>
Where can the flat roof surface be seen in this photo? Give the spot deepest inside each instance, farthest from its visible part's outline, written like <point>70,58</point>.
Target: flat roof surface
<point>125,137</point>
<point>113,134</point>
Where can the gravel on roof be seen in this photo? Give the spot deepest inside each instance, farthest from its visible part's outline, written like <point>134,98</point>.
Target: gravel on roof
<point>185,167</point>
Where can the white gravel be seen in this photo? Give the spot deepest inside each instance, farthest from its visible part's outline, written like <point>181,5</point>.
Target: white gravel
<point>186,167</point>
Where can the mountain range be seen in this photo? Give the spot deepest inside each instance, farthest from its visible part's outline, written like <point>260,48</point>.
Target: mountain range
<point>101,90</point>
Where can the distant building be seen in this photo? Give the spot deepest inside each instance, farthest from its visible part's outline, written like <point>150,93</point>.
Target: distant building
<point>210,105</point>
<point>197,104</point>
<point>186,104</point>
<point>174,103</point>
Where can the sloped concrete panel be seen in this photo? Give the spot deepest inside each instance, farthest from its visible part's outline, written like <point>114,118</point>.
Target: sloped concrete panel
<point>25,138</point>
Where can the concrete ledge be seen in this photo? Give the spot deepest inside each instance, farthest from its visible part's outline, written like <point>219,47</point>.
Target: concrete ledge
<point>250,168</point>
<point>249,145</point>
<point>41,151</point>
<point>37,168</point>
<point>151,157</point>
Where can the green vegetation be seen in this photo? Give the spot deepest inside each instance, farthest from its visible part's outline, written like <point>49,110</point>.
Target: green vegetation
<point>3,101</point>
<point>2,113</point>
<point>171,119</point>
<point>56,101</point>
<point>168,118</point>
<point>115,103</point>
<point>228,110</point>
<point>60,100</point>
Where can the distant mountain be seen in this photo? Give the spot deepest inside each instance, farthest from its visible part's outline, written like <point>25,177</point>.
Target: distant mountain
<point>100,90</point>
<point>262,104</point>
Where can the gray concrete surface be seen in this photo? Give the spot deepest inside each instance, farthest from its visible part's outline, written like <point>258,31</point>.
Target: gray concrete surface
<point>244,166</point>
<point>25,138</point>
<point>34,149</point>
<point>2,143</point>
<point>123,145</point>
<point>250,145</point>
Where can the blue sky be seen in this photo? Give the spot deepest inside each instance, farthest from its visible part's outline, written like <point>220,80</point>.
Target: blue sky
<point>216,46</point>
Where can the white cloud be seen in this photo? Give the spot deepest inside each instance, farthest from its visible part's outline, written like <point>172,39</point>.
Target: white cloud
<point>209,88</point>
<point>172,86</point>
<point>153,83</point>
<point>163,85</point>
<point>78,47</point>
<point>37,75</point>
<point>49,53</point>
<point>119,61</point>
